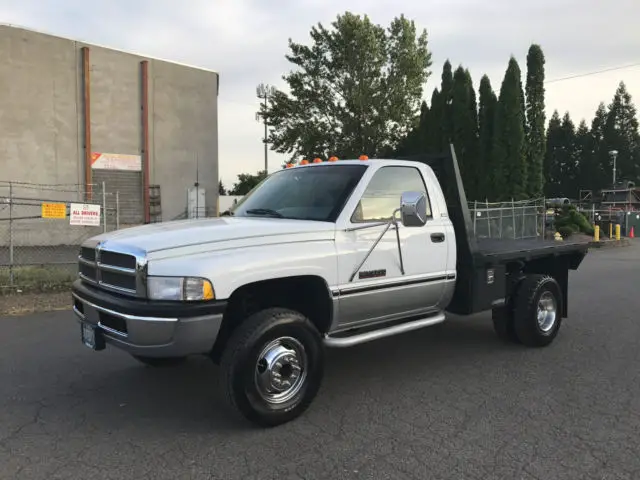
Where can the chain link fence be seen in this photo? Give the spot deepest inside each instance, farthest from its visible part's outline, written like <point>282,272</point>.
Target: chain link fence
<point>42,227</point>
<point>514,219</point>
<point>627,216</point>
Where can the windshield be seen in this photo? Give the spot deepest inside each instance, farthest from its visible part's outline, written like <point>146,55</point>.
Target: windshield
<point>317,193</point>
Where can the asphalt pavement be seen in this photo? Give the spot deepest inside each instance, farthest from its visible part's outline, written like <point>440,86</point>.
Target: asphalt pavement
<point>443,403</point>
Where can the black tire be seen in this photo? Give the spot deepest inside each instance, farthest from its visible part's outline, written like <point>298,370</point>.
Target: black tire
<point>239,365</point>
<point>526,325</point>
<point>160,361</point>
<point>503,323</point>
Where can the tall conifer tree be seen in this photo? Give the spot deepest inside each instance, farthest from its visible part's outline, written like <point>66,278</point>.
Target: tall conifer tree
<point>510,171</point>
<point>535,120</point>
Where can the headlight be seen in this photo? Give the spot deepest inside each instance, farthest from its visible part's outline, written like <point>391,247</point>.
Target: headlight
<point>187,289</point>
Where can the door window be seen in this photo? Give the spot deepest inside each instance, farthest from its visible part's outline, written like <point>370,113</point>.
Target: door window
<point>382,195</point>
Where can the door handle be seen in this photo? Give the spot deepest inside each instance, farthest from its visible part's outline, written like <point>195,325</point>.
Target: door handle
<point>437,237</point>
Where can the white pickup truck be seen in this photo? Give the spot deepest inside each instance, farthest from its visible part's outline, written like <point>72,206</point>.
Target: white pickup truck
<point>329,254</point>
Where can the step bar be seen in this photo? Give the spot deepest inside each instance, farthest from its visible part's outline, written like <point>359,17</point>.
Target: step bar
<point>359,338</point>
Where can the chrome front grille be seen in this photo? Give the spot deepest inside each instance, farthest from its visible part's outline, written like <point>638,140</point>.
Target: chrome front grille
<point>121,272</point>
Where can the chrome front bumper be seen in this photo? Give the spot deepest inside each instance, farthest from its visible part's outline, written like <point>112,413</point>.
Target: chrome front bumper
<point>150,336</point>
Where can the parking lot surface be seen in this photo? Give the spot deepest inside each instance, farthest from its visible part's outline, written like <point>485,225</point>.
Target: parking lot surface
<point>450,402</point>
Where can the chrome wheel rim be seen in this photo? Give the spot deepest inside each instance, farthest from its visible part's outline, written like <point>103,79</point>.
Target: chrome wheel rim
<point>281,370</point>
<point>547,312</point>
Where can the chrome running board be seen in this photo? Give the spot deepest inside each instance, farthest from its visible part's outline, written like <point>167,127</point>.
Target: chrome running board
<point>359,338</point>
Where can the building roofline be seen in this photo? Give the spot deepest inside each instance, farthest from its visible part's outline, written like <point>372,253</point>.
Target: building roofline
<point>138,54</point>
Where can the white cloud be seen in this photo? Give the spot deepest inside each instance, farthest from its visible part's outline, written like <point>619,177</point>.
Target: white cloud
<point>245,40</point>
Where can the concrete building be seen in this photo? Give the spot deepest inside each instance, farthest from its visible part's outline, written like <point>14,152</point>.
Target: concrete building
<point>76,113</point>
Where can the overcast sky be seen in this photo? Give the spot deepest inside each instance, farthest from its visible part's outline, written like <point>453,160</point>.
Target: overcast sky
<point>245,40</point>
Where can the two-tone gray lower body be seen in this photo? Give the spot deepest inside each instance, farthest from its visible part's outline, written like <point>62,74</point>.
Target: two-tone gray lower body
<point>161,331</point>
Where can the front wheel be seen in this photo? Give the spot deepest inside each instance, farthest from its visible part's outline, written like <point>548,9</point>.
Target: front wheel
<point>272,366</point>
<point>538,310</point>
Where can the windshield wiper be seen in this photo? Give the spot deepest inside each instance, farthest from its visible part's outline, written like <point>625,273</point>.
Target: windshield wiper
<point>264,211</point>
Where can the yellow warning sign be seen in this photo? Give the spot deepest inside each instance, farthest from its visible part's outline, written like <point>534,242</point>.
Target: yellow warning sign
<point>54,210</point>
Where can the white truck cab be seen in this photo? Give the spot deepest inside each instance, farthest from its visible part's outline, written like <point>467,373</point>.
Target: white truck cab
<point>327,254</point>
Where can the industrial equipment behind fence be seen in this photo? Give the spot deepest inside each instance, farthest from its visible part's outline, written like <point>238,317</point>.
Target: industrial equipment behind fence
<point>608,218</point>
<point>38,243</point>
<point>512,219</point>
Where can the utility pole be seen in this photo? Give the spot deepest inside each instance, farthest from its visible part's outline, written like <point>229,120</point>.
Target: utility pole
<point>614,156</point>
<point>263,92</point>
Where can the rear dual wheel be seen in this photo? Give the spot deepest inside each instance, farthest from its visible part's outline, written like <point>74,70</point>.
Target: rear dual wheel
<point>534,315</point>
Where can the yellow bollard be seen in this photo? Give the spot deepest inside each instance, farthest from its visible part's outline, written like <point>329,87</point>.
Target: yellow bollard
<point>596,233</point>
<point>610,230</point>
<point>617,231</point>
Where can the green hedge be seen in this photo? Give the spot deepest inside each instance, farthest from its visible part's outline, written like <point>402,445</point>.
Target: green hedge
<point>569,222</point>
<point>45,278</point>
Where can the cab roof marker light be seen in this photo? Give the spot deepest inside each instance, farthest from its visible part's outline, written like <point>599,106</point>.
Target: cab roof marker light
<point>333,159</point>
<point>317,160</point>
<point>363,157</point>
<point>289,165</point>
<point>304,162</point>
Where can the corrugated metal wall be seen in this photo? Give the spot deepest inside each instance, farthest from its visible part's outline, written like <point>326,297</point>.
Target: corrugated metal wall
<point>129,188</point>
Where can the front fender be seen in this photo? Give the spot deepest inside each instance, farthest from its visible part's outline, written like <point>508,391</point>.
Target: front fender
<point>230,269</point>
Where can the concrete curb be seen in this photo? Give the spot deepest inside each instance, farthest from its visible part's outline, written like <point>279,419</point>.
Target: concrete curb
<point>623,242</point>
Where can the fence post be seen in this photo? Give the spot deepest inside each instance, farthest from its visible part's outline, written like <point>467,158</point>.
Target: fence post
<point>118,210</point>
<point>486,207</point>
<point>11,279</point>
<point>104,207</point>
<point>475,216</point>
<point>544,217</point>
<point>513,217</point>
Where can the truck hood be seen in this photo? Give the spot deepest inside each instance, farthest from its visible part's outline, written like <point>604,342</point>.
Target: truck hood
<point>247,231</point>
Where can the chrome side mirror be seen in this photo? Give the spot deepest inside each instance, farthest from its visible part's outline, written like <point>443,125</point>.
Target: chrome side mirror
<point>413,209</point>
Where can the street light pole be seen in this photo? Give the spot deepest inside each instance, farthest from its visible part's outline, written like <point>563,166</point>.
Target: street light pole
<point>263,92</point>
<point>614,155</point>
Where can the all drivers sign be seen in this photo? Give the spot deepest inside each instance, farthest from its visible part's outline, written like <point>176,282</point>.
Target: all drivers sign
<point>84,214</point>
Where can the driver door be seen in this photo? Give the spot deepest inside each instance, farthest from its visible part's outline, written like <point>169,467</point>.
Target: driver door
<point>379,291</point>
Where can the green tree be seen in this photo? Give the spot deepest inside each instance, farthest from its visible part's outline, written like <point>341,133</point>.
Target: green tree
<point>535,120</point>
<point>356,89</point>
<point>561,157</point>
<point>221,189</point>
<point>600,151</point>
<point>621,134</point>
<point>486,119</point>
<point>586,168</point>
<point>446,105</point>
<point>464,123</point>
<point>434,123</point>
<point>554,144</point>
<point>510,169</point>
<point>246,182</point>
<point>416,141</point>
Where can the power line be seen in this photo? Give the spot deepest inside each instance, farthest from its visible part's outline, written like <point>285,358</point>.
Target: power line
<point>597,72</point>
<point>555,80</point>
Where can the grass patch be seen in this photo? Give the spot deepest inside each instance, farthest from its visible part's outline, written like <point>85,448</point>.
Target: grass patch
<point>37,279</point>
